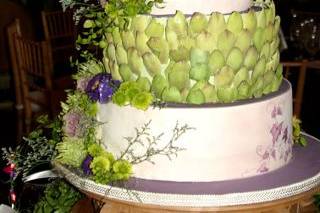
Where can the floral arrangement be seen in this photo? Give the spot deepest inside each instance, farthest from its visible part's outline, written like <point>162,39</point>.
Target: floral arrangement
<point>81,149</point>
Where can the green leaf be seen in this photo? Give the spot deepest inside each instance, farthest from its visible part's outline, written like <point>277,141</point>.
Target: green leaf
<point>88,24</point>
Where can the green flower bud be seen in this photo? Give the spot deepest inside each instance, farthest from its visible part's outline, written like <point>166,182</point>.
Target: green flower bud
<point>152,63</point>
<point>141,43</point>
<point>144,84</point>
<point>178,76</point>
<point>154,29</point>
<point>180,54</point>
<point>200,72</point>
<point>235,59</point>
<point>121,55</point>
<point>158,85</point>
<point>139,23</point>
<point>101,169</point>
<point>122,170</point>
<point>259,38</point>
<point>249,21</point>
<point>120,98</point>
<point>178,24</point>
<point>244,40</point>
<point>196,97</point>
<point>125,72</point>
<point>206,41</point>
<point>226,41</point>
<point>235,23</point>
<point>142,100</point>
<point>216,61</point>
<point>198,23</point>
<point>224,77</point>
<point>116,36</point>
<point>128,39</point>
<point>216,23</point>
<point>251,58</point>
<point>198,56</point>
<point>171,94</point>
<point>135,62</point>
<point>227,94</point>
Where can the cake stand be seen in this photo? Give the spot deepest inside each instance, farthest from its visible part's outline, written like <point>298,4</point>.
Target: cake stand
<point>288,189</point>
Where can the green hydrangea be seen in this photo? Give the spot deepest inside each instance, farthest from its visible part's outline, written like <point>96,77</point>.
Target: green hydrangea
<point>101,167</point>
<point>120,99</point>
<point>122,170</point>
<point>142,100</point>
<point>95,150</point>
<point>131,92</point>
<point>72,151</point>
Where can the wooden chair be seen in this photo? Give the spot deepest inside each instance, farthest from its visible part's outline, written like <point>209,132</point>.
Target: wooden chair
<point>12,29</point>
<point>59,31</point>
<point>35,68</point>
<point>301,67</point>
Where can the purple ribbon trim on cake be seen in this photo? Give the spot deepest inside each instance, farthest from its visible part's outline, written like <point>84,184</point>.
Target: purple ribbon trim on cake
<point>304,165</point>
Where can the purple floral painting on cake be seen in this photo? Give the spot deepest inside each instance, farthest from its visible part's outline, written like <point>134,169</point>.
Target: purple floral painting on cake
<point>280,147</point>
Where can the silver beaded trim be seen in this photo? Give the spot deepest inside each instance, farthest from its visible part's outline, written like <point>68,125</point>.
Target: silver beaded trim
<point>211,200</point>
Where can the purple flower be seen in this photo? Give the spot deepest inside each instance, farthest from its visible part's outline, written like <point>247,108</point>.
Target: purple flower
<point>101,87</point>
<point>71,123</point>
<point>86,165</point>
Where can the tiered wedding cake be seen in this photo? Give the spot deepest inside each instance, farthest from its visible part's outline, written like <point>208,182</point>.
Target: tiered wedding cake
<point>183,104</point>
<point>216,66</point>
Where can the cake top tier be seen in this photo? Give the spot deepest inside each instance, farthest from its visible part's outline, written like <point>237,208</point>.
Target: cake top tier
<point>203,6</point>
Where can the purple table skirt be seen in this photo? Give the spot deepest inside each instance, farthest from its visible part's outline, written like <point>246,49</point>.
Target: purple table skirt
<point>305,164</point>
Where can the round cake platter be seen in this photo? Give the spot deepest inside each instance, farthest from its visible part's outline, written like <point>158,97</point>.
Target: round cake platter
<point>301,175</point>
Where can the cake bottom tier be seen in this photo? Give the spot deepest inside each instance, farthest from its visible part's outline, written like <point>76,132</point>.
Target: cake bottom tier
<point>223,141</point>
<point>301,175</point>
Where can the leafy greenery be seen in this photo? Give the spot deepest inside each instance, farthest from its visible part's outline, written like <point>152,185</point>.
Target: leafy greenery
<point>36,149</point>
<point>89,68</point>
<point>79,101</point>
<point>58,197</point>
<point>296,133</point>
<point>101,19</point>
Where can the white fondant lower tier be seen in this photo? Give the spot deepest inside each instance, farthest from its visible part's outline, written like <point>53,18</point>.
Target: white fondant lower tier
<point>202,6</point>
<point>229,141</point>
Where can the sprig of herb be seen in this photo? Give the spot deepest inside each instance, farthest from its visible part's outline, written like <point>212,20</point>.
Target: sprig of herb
<point>36,149</point>
<point>143,138</point>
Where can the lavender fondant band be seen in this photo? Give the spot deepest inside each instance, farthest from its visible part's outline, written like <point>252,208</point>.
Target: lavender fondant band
<point>304,164</point>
